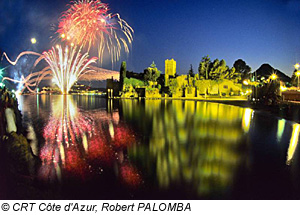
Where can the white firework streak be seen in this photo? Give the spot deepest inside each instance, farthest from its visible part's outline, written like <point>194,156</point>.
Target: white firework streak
<point>67,65</point>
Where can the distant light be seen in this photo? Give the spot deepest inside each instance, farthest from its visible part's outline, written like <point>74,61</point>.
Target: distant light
<point>68,37</point>
<point>297,65</point>
<point>273,76</point>
<point>33,40</point>
<point>297,73</point>
<point>283,88</point>
<point>102,20</point>
<point>72,44</point>
<point>63,36</point>
<point>245,82</point>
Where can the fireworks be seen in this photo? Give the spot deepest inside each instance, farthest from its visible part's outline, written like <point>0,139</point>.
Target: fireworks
<point>89,23</point>
<point>67,65</point>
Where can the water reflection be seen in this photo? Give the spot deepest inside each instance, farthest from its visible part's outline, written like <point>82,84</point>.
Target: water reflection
<point>65,137</point>
<point>81,144</point>
<point>199,149</point>
<point>293,143</point>
<point>247,119</point>
<point>193,143</point>
<point>280,129</point>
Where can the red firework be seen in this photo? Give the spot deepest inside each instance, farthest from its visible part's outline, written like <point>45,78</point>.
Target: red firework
<point>82,23</point>
<point>88,23</point>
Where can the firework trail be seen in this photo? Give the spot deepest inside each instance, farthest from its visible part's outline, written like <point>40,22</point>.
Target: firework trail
<point>65,67</point>
<point>19,56</point>
<point>89,23</point>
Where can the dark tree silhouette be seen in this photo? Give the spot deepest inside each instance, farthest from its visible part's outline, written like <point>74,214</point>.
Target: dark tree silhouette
<point>242,68</point>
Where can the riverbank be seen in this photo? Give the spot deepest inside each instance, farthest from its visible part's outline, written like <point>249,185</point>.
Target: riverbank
<point>287,110</point>
<point>15,151</point>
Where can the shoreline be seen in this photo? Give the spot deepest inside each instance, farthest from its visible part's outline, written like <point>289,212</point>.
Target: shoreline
<point>286,110</point>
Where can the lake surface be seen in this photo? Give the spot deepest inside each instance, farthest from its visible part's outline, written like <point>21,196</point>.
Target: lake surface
<point>91,148</point>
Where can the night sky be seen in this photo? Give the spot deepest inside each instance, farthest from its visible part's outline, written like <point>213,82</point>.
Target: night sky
<point>257,31</point>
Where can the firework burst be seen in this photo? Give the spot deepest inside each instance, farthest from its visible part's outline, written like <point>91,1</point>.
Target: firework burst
<point>88,23</point>
<point>67,65</point>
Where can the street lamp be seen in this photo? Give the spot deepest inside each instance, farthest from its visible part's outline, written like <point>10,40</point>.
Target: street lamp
<point>273,76</point>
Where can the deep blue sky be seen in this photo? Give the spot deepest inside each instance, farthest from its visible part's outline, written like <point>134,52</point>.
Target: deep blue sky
<point>257,31</point>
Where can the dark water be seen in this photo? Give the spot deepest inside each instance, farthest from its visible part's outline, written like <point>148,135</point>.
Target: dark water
<point>91,148</point>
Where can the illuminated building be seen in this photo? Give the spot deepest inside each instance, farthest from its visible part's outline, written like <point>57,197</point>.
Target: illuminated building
<point>170,70</point>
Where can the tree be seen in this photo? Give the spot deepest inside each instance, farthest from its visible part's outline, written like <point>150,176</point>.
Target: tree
<point>218,70</point>
<point>122,72</point>
<point>242,68</point>
<point>294,79</point>
<point>134,82</point>
<point>153,65</point>
<point>191,71</point>
<point>173,85</point>
<point>233,75</point>
<point>204,67</point>
<point>151,73</point>
<point>269,93</point>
